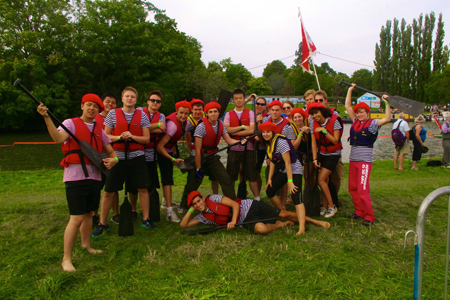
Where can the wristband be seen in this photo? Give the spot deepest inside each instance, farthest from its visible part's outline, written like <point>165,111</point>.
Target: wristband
<point>173,158</point>
<point>118,138</point>
<point>300,134</point>
<point>324,131</point>
<point>191,210</point>
<point>159,124</point>
<point>243,127</point>
<point>289,180</point>
<point>116,159</point>
<point>314,159</point>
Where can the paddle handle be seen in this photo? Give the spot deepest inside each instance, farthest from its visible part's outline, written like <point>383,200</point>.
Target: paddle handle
<point>55,119</point>
<point>360,88</point>
<point>229,146</point>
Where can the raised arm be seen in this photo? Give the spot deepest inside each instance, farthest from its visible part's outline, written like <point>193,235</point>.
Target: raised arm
<point>387,118</point>
<point>58,136</point>
<point>348,102</point>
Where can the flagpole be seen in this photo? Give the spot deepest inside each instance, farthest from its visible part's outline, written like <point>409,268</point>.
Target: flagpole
<point>309,48</point>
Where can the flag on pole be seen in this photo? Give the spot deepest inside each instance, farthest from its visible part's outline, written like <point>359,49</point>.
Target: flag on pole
<point>308,47</point>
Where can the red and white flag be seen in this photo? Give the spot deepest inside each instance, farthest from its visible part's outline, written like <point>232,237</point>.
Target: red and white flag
<point>308,47</point>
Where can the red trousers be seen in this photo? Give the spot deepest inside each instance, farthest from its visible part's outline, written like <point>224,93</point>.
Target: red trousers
<point>359,189</point>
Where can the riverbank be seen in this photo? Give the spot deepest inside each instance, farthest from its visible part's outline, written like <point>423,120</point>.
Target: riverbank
<point>346,261</point>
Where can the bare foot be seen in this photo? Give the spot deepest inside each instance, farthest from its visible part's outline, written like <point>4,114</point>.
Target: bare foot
<point>93,251</point>
<point>67,266</point>
<point>395,168</point>
<point>324,224</point>
<point>287,223</point>
<point>300,231</point>
<point>401,169</point>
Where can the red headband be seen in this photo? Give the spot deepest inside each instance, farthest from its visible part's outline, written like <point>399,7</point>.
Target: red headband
<point>362,105</point>
<point>183,103</point>
<point>212,105</point>
<point>191,197</point>
<point>273,103</point>
<point>197,102</point>
<point>299,111</point>
<point>94,98</point>
<point>268,126</point>
<point>315,105</point>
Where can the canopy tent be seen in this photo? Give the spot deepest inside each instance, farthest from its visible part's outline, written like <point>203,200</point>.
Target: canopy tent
<point>369,99</point>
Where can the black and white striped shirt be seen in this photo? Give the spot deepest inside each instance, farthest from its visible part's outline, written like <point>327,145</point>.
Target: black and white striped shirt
<point>244,209</point>
<point>362,153</point>
<point>282,146</point>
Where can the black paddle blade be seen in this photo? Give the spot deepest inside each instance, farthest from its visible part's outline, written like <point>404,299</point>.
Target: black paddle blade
<point>411,107</point>
<point>154,212</point>
<point>186,165</point>
<point>203,231</point>
<point>242,190</point>
<point>223,100</point>
<point>94,156</point>
<point>312,198</point>
<point>334,193</point>
<point>126,226</point>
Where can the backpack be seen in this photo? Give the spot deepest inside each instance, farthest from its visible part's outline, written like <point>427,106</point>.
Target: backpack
<point>412,133</point>
<point>397,136</point>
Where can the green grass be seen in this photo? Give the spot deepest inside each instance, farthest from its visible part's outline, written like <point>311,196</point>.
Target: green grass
<point>347,261</point>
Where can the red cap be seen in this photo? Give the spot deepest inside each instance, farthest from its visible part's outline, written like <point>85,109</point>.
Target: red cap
<point>315,105</point>
<point>268,126</point>
<point>191,197</point>
<point>362,105</point>
<point>93,98</point>
<point>183,103</point>
<point>275,102</point>
<point>299,111</point>
<point>212,105</point>
<point>196,102</point>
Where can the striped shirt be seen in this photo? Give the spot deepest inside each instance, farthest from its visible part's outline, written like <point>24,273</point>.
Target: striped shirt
<point>337,126</point>
<point>150,153</point>
<point>283,147</point>
<point>287,130</point>
<point>200,131</point>
<point>110,121</point>
<point>362,153</point>
<point>244,209</point>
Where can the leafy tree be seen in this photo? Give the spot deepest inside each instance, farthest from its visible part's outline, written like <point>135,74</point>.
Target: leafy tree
<point>328,70</point>
<point>440,54</point>
<point>362,77</point>
<point>259,86</point>
<point>275,67</point>
<point>382,58</point>
<point>437,88</point>
<point>238,76</point>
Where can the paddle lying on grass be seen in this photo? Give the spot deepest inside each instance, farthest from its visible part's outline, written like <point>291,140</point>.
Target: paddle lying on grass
<point>188,163</point>
<point>91,153</point>
<point>211,229</point>
<point>414,108</point>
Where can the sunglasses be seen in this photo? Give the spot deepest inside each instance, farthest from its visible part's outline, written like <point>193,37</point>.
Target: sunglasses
<point>319,100</point>
<point>155,100</point>
<point>260,104</point>
<point>287,107</point>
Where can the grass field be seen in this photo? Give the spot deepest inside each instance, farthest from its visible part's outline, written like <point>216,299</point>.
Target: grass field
<point>347,261</point>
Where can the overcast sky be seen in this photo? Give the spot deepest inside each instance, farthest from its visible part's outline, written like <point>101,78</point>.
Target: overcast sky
<point>256,32</point>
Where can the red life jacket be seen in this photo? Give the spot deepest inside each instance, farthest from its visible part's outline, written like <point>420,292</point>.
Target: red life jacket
<point>154,137</point>
<point>134,127</point>
<point>211,140</point>
<point>100,120</point>
<point>71,149</point>
<point>325,145</point>
<point>265,113</point>
<point>236,122</point>
<point>221,213</point>
<point>180,130</point>
<point>281,125</point>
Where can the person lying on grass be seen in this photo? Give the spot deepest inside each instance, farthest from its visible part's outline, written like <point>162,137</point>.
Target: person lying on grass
<point>220,210</point>
<point>82,179</point>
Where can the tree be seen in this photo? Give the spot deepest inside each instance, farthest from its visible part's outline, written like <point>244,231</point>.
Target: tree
<point>275,67</point>
<point>382,58</point>
<point>276,83</point>
<point>238,76</point>
<point>363,78</point>
<point>437,89</point>
<point>259,86</point>
<point>440,55</point>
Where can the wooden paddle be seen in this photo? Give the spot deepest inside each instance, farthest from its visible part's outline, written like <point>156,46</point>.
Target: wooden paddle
<point>211,229</point>
<point>91,153</point>
<point>406,105</point>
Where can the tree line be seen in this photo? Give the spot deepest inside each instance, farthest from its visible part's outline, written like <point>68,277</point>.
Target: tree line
<point>62,50</point>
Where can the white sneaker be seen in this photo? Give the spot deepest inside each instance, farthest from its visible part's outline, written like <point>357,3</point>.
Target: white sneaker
<point>163,203</point>
<point>323,210</point>
<point>174,203</point>
<point>172,217</point>
<point>182,210</point>
<point>331,212</point>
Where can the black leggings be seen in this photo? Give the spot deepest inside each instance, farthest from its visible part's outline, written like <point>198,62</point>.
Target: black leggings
<point>279,180</point>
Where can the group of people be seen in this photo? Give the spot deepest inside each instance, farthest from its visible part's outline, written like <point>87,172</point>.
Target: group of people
<point>135,141</point>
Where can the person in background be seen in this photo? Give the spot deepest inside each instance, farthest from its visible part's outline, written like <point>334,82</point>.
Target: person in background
<point>82,179</point>
<point>309,98</point>
<point>288,106</point>
<point>363,134</point>
<point>446,140</point>
<point>420,134</point>
<point>401,151</point>
<point>261,112</point>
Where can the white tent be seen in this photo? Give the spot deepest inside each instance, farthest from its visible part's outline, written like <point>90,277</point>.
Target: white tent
<point>369,99</point>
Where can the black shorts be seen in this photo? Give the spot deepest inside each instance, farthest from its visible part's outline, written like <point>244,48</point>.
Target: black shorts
<point>136,171</point>
<point>329,161</point>
<point>236,159</point>
<point>166,170</point>
<point>260,211</point>
<point>152,169</point>
<point>279,180</point>
<point>83,196</point>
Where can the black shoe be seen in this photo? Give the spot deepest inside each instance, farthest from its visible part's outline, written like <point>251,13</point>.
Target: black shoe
<point>354,216</point>
<point>134,213</point>
<point>367,223</point>
<point>115,219</point>
<point>95,221</point>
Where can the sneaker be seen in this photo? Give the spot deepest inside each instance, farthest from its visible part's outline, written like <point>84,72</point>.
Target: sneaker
<point>367,223</point>
<point>100,229</point>
<point>354,216</point>
<point>115,219</point>
<point>182,210</point>
<point>134,213</point>
<point>148,224</point>
<point>172,217</point>
<point>174,203</point>
<point>323,210</point>
<point>163,203</point>
<point>95,221</point>
<point>331,211</point>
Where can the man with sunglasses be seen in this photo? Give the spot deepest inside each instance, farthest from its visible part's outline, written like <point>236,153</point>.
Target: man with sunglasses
<point>338,172</point>
<point>239,123</point>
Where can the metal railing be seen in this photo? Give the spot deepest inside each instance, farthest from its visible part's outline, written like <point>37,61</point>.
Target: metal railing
<point>419,239</point>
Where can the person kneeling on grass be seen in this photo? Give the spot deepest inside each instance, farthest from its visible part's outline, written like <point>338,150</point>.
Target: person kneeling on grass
<point>220,210</point>
<point>82,179</point>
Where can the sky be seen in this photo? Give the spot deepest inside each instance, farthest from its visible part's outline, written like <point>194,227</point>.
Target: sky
<point>256,32</point>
